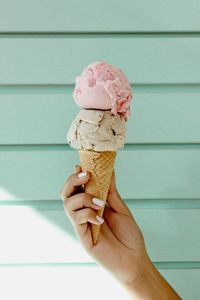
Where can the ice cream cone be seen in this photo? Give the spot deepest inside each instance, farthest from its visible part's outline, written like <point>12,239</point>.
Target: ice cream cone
<point>100,166</point>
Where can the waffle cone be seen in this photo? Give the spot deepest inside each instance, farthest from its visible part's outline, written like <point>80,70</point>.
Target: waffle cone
<point>100,166</point>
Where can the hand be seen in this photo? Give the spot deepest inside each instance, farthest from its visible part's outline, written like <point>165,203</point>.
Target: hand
<point>120,247</point>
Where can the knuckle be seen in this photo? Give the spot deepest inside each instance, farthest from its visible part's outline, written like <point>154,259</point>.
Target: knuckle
<point>70,213</point>
<point>63,197</point>
<point>67,203</point>
<point>84,198</point>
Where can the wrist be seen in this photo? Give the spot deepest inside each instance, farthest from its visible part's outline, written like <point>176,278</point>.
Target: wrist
<point>144,269</point>
<point>149,284</point>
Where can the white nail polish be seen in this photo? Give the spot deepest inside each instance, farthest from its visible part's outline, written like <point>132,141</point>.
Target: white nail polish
<point>82,174</point>
<point>99,219</point>
<point>98,202</point>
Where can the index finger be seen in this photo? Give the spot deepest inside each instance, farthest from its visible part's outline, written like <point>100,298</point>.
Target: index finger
<point>75,180</point>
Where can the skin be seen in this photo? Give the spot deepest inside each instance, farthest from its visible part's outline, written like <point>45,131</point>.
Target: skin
<point>120,247</point>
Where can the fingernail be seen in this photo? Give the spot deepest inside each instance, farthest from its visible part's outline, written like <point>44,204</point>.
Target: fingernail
<point>82,174</point>
<point>99,219</point>
<point>98,202</point>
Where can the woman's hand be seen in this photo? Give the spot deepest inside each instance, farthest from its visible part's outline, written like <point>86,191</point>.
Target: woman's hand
<point>120,247</point>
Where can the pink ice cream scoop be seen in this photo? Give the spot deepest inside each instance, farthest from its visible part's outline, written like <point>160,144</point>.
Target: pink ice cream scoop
<point>105,87</point>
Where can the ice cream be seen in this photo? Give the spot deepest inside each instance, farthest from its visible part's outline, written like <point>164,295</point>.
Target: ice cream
<point>97,130</point>
<point>103,86</point>
<point>103,93</point>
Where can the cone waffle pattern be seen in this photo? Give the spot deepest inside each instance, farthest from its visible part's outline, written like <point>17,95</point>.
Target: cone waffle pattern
<point>100,166</point>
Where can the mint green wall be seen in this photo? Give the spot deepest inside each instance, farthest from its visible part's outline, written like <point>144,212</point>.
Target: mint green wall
<point>43,46</point>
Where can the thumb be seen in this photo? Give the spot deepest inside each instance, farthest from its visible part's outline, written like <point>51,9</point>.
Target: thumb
<point>114,200</point>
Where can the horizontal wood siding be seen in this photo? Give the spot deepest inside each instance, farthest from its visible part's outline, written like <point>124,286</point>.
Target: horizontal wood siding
<point>53,59</point>
<point>94,16</point>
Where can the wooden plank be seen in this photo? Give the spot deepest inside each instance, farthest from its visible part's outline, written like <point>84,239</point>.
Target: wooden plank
<point>43,117</point>
<point>44,284</point>
<point>95,16</point>
<point>39,235</point>
<point>38,173</point>
<point>56,59</point>
<point>185,282</point>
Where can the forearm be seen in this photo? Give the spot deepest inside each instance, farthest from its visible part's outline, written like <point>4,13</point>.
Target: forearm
<point>150,285</point>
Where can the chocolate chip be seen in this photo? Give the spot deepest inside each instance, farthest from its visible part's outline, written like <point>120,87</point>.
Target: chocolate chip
<point>114,133</point>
